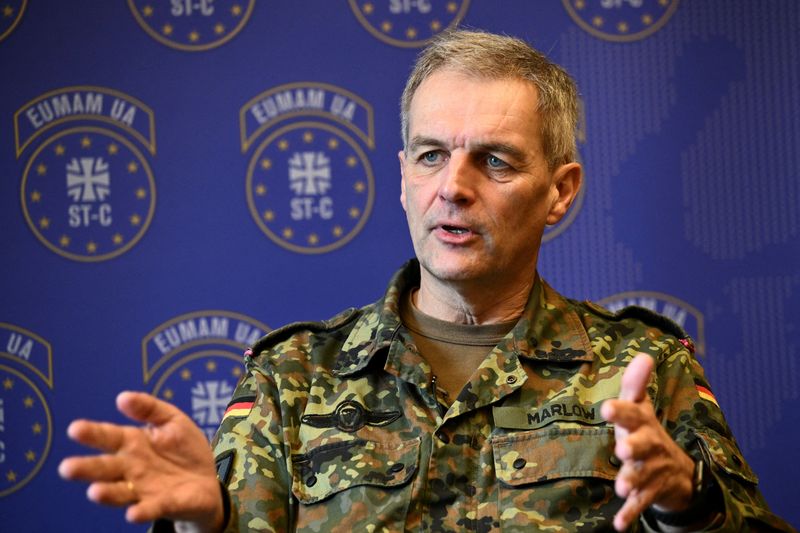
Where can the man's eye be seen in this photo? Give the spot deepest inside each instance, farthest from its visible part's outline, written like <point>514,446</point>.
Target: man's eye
<point>430,157</point>
<point>495,162</point>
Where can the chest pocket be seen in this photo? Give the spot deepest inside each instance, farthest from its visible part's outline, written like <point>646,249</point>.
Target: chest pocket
<point>369,479</point>
<point>538,471</point>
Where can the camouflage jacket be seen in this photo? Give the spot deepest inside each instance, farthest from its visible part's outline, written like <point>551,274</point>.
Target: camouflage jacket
<point>335,426</point>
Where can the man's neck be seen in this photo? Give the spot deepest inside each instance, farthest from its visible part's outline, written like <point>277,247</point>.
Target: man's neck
<point>472,303</point>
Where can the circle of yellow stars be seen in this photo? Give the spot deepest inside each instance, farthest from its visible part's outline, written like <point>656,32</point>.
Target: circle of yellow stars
<point>132,167</point>
<point>410,32</point>
<point>36,429</point>
<point>268,215</point>
<point>621,27</point>
<point>193,36</point>
<point>186,375</point>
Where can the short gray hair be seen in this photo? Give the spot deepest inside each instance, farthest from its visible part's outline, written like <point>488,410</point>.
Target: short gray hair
<point>490,56</point>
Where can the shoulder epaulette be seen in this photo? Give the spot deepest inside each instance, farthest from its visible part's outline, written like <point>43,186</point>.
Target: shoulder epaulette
<point>598,309</point>
<point>647,316</point>
<point>282,333</point>
<point>651,318</point>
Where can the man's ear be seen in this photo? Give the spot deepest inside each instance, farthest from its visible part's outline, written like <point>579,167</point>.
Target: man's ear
<point>401,155</point>
<point>567,180</point>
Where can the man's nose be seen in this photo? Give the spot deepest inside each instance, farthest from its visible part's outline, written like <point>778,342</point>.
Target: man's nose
<point>458,180</point>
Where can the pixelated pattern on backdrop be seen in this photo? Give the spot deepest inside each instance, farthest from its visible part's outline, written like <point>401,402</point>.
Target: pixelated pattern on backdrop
<point>179,177</point>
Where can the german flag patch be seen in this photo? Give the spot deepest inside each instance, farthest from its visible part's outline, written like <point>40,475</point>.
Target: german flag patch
<point>705,393</point>
<point>239,407</point>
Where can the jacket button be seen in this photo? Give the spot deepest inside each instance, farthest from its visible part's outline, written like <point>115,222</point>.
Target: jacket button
<point>511,380</point>
<point>396,467</point>
<point>444,438</point>
<point>519,463</point>
<point>310,482</point>
<point>614,460</point>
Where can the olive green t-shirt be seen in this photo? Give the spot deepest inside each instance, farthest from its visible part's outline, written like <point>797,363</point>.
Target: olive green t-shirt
<point>453,350</point>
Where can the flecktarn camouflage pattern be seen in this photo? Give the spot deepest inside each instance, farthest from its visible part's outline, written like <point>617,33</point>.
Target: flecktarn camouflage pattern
<point>335,426</point>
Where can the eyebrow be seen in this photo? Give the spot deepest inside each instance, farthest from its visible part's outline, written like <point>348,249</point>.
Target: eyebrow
<point>496,147</point>
<point>502,148</point>
<point>418,141</point>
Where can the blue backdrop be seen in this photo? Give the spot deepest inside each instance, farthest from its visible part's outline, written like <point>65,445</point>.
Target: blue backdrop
<point>178,177</point>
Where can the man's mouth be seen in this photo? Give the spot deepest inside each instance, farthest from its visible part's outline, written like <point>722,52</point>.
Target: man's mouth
<point>455,230</point>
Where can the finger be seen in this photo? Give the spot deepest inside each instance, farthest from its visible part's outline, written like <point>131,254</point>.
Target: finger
<point>627,478</point>
<point>636,378</point>
<point>97,468</point>
<point>623,413</point>
<point>116,493</point>
<point>642,445</point>
<point>99,435</point>
<point>145,408</point>
<point>624,450</point>
<point>634,505</point>
<point>143,511</point>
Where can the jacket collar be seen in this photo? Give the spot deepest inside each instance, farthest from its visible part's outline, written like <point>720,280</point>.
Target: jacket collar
<point>378,325</point>
<point>549,328</point>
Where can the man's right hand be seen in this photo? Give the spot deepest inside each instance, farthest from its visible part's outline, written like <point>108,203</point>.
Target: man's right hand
<point>164,469</point>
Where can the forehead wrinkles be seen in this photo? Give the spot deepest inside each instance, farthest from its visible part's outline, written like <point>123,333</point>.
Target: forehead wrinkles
<point>458,125</point>
<point>454,111</point>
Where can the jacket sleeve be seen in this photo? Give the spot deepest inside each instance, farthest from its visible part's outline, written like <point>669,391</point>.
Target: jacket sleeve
<point>251,456</point>
<point>692,416</point>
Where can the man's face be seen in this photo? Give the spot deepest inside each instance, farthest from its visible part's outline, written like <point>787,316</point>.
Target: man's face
<point>476,188</point>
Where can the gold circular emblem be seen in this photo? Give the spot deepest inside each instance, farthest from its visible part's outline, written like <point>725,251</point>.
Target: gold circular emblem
<point>192,25</point>
<point>621,20</point>
<point>310,187</point>
<point>88,194</point>
<point>27,421</point>
<point>408,23</point>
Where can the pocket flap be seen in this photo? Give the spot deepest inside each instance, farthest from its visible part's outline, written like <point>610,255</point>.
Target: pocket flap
<point>326,470</point>
<point>553,453</point>
<point>726,455</point>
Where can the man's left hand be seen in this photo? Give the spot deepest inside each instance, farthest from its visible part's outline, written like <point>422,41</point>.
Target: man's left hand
<point>655,471</point>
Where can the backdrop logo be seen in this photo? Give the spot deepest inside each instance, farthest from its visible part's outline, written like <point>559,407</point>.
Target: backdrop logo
<point>195,361</point>
<point>621,20</point>
<point>26,427</point>
<point>309,183</point>
<point>10,14</point>
<point>408,23</point>
<point>87,192</point>
<point>192,25</point>
<point>685,315</point>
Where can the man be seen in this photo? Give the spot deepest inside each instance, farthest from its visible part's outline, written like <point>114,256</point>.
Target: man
<point>472,396</point>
